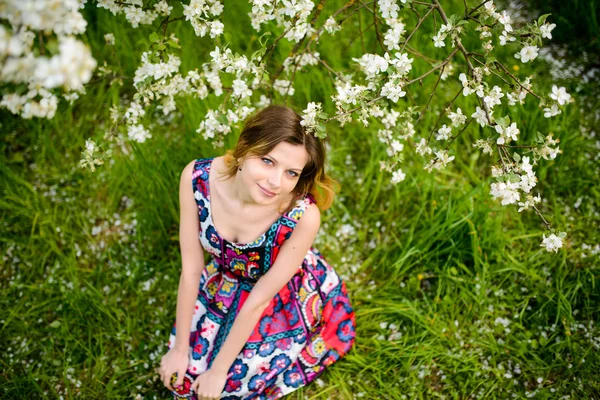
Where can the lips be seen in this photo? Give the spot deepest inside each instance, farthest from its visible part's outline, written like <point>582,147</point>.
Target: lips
<point>266,191</point>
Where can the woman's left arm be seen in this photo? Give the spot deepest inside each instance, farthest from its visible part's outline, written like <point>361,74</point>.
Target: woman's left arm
<point>288,261</point>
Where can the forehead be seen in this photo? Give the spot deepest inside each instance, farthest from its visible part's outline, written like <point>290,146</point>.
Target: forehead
<point>294,156</point>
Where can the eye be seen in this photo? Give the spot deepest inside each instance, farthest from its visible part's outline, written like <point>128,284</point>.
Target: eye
<point>269,162</point>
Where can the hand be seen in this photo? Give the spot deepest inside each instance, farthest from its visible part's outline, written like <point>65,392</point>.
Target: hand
<point>209,385</point>
<point>175,361</point>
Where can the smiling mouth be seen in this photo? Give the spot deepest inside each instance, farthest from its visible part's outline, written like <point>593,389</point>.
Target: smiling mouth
<point>266,191</point>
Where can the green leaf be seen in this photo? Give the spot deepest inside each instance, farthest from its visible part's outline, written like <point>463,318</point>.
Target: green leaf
<point>562,235</point>
<point>162,47</point>
<point>539,138</point>
<point>323,115</point>
<point>453,271</point>
<point>154,37</point>
<point>454,18</point>
<point>462,22</point>
<point>516,157</point>
<point>514,178</point>
<point>173,44</point>
<point>222,118</point>
<point>257,55</point>
<point>260,39</point>
<point>542,19</point>
<point>55,324</point>
<point>503,121</point>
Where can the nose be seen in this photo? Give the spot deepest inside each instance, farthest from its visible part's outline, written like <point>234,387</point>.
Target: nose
<point>274,180</point>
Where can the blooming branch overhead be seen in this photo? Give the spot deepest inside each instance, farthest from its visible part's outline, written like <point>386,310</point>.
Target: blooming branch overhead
<point>43,59</point>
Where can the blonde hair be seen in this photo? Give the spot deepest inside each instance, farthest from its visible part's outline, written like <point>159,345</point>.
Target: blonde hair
<point>276,124</point>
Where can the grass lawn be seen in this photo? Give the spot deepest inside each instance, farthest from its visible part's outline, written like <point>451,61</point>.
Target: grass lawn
<point>454,297</point>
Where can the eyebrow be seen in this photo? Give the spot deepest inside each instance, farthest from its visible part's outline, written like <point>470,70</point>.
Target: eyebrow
<point>293,169</point>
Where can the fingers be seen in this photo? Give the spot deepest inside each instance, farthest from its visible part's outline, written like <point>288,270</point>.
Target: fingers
<point>179,382</point>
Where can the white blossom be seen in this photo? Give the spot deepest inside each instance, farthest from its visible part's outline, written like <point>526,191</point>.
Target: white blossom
<point>331,26</point>
<point>527,53</point>
<point>552,242</point>
<point>457,118</point>
<point>138,133</point>
<point>480,116</point>
<point>392,91</point>
<point>283,87</point>
<point>398,176</point>
<point>443,133</point>
<point>560,95</point>
<point>546,29</point>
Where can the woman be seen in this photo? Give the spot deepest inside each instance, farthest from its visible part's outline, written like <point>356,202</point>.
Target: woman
<point>266,314</point>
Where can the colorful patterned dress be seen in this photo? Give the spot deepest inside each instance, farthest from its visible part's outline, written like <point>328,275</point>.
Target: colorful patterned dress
<point>307,326</point>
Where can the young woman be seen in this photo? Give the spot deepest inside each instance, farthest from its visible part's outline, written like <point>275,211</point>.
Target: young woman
<point>267,313</point>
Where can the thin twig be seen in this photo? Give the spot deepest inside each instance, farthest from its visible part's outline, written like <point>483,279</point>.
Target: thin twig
<point>442,114</point>
<point>431,95</point>
<point>465,54</point>
<point>375,22</point>
<point>548,224</point>
<point>515,78</point>
<point>459,133</point>
<point>416,27</point>
<point>478,7</point>
<point>433,69</point>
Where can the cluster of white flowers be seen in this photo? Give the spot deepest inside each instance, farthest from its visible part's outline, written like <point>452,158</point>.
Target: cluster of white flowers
<point>90,157</point>
<point>442,33</point>
<point>133,10</point>
<point>457,118</point>
<point>546,151</point>
<point>508,190</point>
<point>291,14</point>
<point>212,125</point>
<point>373,64</point>
<point>159,82</point>
<point>310,116</point>
<point>331,26</point>
<point>486,147</point>
<point>394,34</point>
<point>527,53</point>
<point>300,60</point>
<point>517,96</point>
<point>507,133</point>
<point>198,13</point>
<point>471,86</point>
<point>441,160</point>
<point>68,69</point>
<point>553,242</point>
<point>560,97</point>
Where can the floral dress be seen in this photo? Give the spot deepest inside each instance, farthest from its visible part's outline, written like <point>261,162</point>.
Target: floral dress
<point>306,327</point>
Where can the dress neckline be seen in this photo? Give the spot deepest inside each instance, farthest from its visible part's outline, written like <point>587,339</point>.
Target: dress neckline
<point>237,244</point>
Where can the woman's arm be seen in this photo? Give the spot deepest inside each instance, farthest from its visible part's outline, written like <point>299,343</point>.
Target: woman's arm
<point>288,261</point>
<point>192,259</point>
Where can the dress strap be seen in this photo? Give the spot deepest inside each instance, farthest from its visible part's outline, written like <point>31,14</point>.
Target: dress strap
<point>301,205</point>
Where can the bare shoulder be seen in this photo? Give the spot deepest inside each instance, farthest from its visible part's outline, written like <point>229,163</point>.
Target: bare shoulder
<point>311,220</point>
<point>188,170</point>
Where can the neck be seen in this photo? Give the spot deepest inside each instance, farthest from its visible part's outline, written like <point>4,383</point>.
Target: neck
<point>240,193</point>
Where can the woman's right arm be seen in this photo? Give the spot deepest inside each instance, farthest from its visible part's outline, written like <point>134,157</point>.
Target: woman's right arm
<point>192,261</point>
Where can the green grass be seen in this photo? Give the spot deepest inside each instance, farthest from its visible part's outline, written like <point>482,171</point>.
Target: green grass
<point>90,261</point>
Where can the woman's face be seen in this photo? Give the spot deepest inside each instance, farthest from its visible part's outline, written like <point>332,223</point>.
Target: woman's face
<point>271,178</point>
